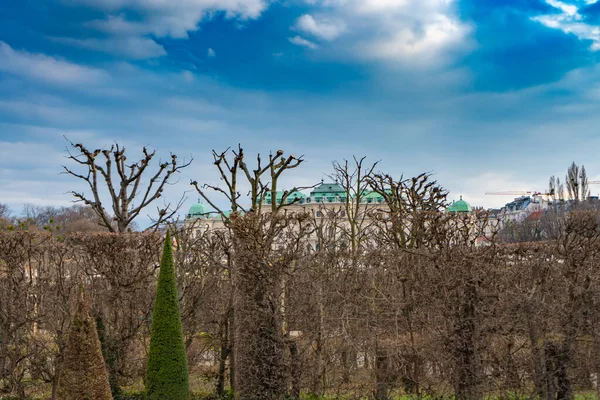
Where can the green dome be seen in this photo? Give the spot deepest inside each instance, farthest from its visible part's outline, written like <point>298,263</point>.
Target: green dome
<point>198,210</point>
<point>459,206</point>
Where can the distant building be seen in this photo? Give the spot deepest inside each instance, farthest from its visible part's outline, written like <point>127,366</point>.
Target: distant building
<point>328,201</point>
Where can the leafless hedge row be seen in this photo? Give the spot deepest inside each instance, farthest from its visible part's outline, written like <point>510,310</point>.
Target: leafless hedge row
<point>441,319</point>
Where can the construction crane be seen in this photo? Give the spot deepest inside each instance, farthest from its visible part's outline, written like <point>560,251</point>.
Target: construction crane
<point>516,193</point>
<point>529,192</point>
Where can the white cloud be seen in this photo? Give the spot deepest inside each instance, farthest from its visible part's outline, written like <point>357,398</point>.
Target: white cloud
<point>172,18</point>
<point>568,9</point>
<point>300,41</point>
<point>132,47</point>
<point>187,76</point>
<point>118,25</point>
<point>570,22</point>
<point>210,53</point>
<point>323,28</point>
<point>159,18</point>
<point>423,45</point>
<point>46,68</point>
<point>47,109</point>
<point>413,31</point>
<point>408,32</point>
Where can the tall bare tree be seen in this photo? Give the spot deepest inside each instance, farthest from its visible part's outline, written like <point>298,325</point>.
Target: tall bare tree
<point>577,183</point>
<point>414,208</point>
<point>129,195</point>
<point>6,218</point>
<point>354,179</point>
<point>258,267</point>
<point>556,189</point>
<point>4,211</point>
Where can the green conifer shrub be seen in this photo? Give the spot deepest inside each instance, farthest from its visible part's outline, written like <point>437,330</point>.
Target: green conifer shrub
<point>167,370</point>
<point>84,375</point>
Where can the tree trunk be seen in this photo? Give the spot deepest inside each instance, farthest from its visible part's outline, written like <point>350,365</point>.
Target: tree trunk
<point>260,372</point>
<point>317,381</point>
<point>550,370</point>
<point>466,379</point>
<point>224,353</point>
<point>294,370</point>
<point>563,382</point>
<point>382,372</point>
<point>58,365</point>
<point>537,357</point>
<point>232,351</point>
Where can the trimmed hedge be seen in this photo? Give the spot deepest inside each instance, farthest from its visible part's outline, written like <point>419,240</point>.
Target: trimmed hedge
<point>167,371</point>
<point>84,375</point>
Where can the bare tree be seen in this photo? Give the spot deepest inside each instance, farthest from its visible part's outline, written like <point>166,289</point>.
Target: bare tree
<point>414,209</point>
<point>556,189</point>
<point>4,211</point>
<point>77,218</point>
<point>109,169</point>
<point>258,268</point>
<point>355,179</point>
<point>577,183</point>
<point>6,218</point>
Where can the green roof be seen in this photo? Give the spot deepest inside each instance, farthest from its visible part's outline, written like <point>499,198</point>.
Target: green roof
<point>371,197</point>
<point>328,188</point>
<point>198,210</point>
<point>459,206</point>
<point>328,193</point>
<point>290,198</point>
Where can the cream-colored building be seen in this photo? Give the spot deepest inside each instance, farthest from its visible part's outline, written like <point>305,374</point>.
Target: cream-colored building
<point>327,204</point>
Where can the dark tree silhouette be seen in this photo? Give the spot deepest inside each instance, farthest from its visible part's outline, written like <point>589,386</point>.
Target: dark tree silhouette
<point>108,170</point>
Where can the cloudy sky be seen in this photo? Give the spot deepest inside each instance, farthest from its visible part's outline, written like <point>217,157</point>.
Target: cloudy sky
<point>488,95</point>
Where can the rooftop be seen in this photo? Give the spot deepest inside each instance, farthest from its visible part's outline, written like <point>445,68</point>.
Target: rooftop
<point>459,206</point>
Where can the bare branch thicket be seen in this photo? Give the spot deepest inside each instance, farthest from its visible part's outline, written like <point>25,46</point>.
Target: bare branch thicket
<point>128,193</point>
<point>414,210</point>
<point>447,319</point>
<point>6,217</point>
<point>259,268</point>
<point>4,211</point>
<point>77,218</point>
<point>230,172</point>
<point>354,178</point>
<point>120,270</point>
<point>419,310</point>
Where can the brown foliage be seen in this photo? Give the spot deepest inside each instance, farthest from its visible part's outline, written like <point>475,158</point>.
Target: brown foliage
<point>84,375</point>
<point>437,317</point>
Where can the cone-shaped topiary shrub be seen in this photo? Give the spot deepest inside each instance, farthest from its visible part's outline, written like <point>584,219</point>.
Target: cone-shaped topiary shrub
<point>167,372</point>
<point>84,375</point>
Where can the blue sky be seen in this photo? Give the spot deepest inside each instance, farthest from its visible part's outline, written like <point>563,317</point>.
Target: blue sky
<point>489,95</point>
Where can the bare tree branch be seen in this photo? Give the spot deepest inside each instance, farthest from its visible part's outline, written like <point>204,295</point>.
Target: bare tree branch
<point>124,187</point>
